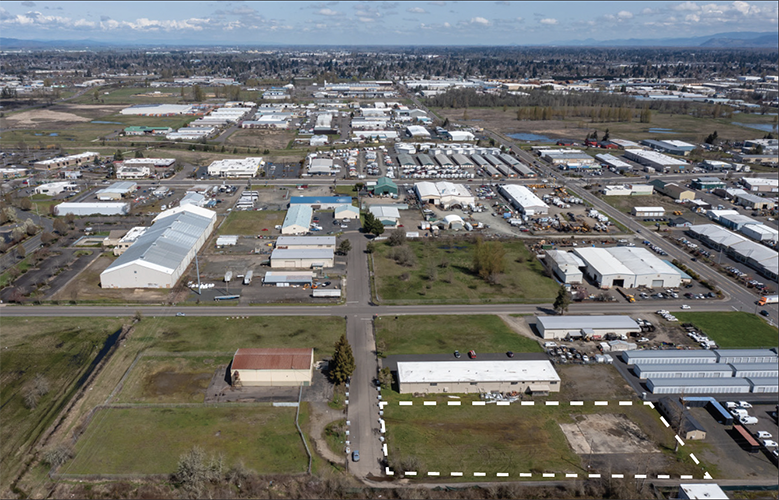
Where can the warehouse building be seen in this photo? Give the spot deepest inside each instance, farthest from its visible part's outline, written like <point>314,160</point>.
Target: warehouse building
<point>683,422</point>
<point>746,356</point>
<point>160,256</point>
<point>648,212</point>
<point>389,216</point>
<point>669,357</point>
<point>130,172</point>
<point>677,370</point>
<point>565,266</point>
<point>297,220</point>
<point>755,370</point>
<point>89,208</point>
<point>764,385</point>
<point>347,212</point>
<point>303,258</point>
<point>627,267</point>
<point>678,148</point>
<point>698,386</point>
<point>236,169</point>
<point>653,159</point>
<point>464,377</point>
<point>320,202</point>
<point>117,191</point>
<point>673,190</point>
<point>612,161</point>
<point>287,278</point>
<point>462,161</point>
<point>761,258</point>
<point>306,242</point>
<point>560,327</point>
<point>272,367</point>
<point>706,183</point>
<point>761,185</point>
<point>67,161</point>
<point>760,232</point>
<point>417,131</point>
<point>444,194</point>
<point>569,158</point>
<point>196,199</point>
<point>149,162</point>
<point>385,185</point>
<point>628,190</point>
<point>524,200</point>
<point>753,201</point>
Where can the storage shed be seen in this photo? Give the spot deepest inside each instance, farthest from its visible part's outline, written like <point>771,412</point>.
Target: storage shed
<point>698,385</point>
<point>746,356</point>
<point>559,327</point>
<point>468,376</point>
<point>648,211</point>
<point>764,384</point>
<point>758,370</point>
<point>669,357</point>
<point>286,278</point>
<point>301,258</point>
<point>696,370</point>
<point>272,367</point>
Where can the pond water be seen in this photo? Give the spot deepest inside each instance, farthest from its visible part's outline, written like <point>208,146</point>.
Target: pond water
<point>53,134</point>
<point>662,131</point>
<point>765,127</point>
<point>530,137</point>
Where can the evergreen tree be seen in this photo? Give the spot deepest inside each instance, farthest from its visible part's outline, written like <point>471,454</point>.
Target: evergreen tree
<point>562,301</point>
<point>342,366</point>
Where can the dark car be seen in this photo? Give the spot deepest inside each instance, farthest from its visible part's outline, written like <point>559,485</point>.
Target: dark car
<point>764,312</point>
<point>456,354</point>
<point>472,354</point>
<point>510,354</point>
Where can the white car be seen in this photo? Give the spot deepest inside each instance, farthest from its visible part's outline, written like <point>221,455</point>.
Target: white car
<point>769,444</point>
<point>744,404</point>
<point>685,306</point>
<point>550,344</point>
<point>764,435</point>
<point>643,340</point>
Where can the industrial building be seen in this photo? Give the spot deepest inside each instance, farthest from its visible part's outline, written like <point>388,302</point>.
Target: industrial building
<point>673,190</point>
<point>117,191</point>
<point>236,169</point>
<point>755,202</point>
<point>320,202</point>
<point>755,370</point>
<point>565,266</point>
<point>149,162</point>
<point>678,148</point>
<point>612,161</point>
<point>301,258</point>
<point>627,267</point>
<point>560,327</point>
<point>764,384</point>
<point>534,376</point>
<point>444,194</point>
<point>524,200</point>
<point>55,188</point>
<point>751,356</point>
<point>67,161</point>
<point>385,185</point>
<point>298,219</point>
<point>760,185</point>
<point>89,208</point>
<point>669,357</point>
<point>272,367</point>
<point>759,257</point>
<point>130,172</point>
<point>160,256</point>
<point>389,216</point>
<point>706,183</point>
<point>347,212</point>
<point>196,199</point>
<point>628,190</point>
<point>417,131</point>
<point>678,370</point>
<point>287,278</point>
<point>698,385</point>
<point>306,242</point>
<point>654,160</point>
<point>648,212</point>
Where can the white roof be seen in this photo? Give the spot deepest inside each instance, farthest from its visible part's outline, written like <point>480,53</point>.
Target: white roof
<point>302,253</point>
<point>523,196</point>
<point>426,190</point>
<point>453,218</point>
<point>476,371</point>
<point>649,209</point>
<point>384,212</point>
<point>598,322</point>
<point>284,241</point>
<point>417,130</point>
<point>612,161</point>
<point>655,157</point>
<point>564,260</point>
<point>760,181</point>
<point>602,261</point>
<point>709,491</point>
<point>641,261</point>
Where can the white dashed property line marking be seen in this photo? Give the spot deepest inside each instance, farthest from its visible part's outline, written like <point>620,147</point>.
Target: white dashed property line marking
<point>707,476</point>
<point>626,403</point>
<point>479,474</point>
<point>617,476</point>
<point>384,449</point>
<point>577,403</point>
<point>547,474</point>
<point>649,404</point>
<point>452,403</point>
<point>679,439</point>
<point>527,403</point>
<point>640,476</point>
<point>382,404</point>
<point>503,403</point>
<point>552,403</point>
<point>694,459</point>
<point>525,474</point>
<point>433,474</point>
<point>502,474</point>
<point>594,476</point>
<point>478,403</point>
<point>405,403</point>
<point>389,471</point>
<point>686,476</point>
<point>429,403</point>
<point>572,475</point>
<point>411,473</point>
<point>456,474</point>
<point>665,423</point>
<point>663,476</point>
<point>601,403</point>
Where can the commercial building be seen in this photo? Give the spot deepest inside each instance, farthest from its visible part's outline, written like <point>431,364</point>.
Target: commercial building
<point>753,201</point>
<point>117,191</point>
<point>654,160</point>
<point>303,258</point>
<point>272,367</point>
<point>565,266</point>
<point>444,194</point>
<point>648,211</point>
<point>612,161</point>
<point>628,190</point>
<point>760,185</point>
<point>385,185</point>
<point>673,190</point>
<point>149,162</point>
<point>160,256</point>
<point>679,370</point>
<point>560,327</point>
<point>306,242</point>
<point>297,220</point>
<point>347,212</point>
<point>706,183</point>
<point>759,257</point>
<point>55,188</point>
<point>569,158</point>
<point>237,169</point>
<point>698,385</point>
<point>387,215</point>
<point>131,172</point>
<point>321,166</point>
<point>464,377</point>
<point>67,161</point>
<point>89,208</point>
<point>141,130</point>
<point>524,200</point>
<point>627,267</point>
<point>678,148</point>
<point>320,202</point>
<point>287,278</point>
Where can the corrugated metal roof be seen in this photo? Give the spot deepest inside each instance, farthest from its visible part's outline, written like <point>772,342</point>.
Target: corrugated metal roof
<point>286,241</point>
<point>272,359</point>
<point>476,371</point>
<point>288,277</point>
<point>603,262</point>
<point>726,353</point>
<point>699,382</point>
<point>299,215</point>
<point>320,200</point>
<point>301,253</point>
<point>594,322</point>
<point>685,353</point>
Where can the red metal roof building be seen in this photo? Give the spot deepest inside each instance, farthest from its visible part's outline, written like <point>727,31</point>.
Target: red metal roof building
<point>272,367</point>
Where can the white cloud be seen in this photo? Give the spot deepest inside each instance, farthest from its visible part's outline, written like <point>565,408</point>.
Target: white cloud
<point>437,4</point>
<point>416,10</point>
<point>688,6</point>
<point>447,25</point>
<point>519,19</point>
<point>647,12</point>
<point>624,14</point>
<point>327,12</point>
<point>366,19</point>
<point>480,20</point>
<point>694,18</point>
<point>548,20</point>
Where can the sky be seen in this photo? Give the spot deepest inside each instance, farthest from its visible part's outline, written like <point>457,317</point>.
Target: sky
<point>377,23</point>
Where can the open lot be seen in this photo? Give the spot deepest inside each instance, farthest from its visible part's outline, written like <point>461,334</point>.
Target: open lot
<point>734,329</point>
<point>150,440</point>
<point>609,433</point>
<point>445,334</point>
<point>60,351</point>
<point>253,223</point>
<point>524,279</point>
<point>263,139</point>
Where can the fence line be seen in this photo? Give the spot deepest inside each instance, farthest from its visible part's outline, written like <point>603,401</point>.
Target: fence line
<point>297,414</point>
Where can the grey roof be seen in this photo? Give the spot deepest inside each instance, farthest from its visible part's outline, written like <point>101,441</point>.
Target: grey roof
<point>764,381</point>
<point>745,352</point>
<point>685,353</point>
<point>288,277</point>
<point>168,242</point>
<point>699,382</point>
<point>298,215</point>
<point>594,322</point>
<point>119,187</point>
<point>683,367</point>
<point>302,253</point>
<point>305,240</point>
<point>755,366</point>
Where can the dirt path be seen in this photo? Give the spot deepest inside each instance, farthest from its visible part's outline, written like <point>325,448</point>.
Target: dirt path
<point>321,415</point>
<point>519,325</point>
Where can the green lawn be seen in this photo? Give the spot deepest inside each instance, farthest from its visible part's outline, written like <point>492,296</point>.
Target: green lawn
<point>252,223</point>
<point>61,351</point>
<point>523,282</point>
<point>734,329</point>
<point>42,204</point>
<point>444,334</point>
<point>151,440</point>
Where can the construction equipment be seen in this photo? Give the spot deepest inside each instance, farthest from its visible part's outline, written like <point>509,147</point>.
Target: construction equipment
<point>629,297</point>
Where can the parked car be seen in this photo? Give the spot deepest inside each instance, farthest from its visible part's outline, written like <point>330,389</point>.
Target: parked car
<point>744,404</point>
<point>457,354</point>
<point>180,314</point>
<point>685,306</point>
<point>764,435</point>
<point>748,420</point>
<point>510,354</point>
<point>472,354</point>
<point>356,456</point>
<point>769,444</point>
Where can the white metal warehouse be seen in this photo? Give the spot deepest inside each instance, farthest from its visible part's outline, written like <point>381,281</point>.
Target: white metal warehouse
<point>306,242</point>
<point>746,356</point>
<point>89,208</point>
<point>297,220</point>
<point>306,258</point>
<point>698,385</point>
<point>627,267</point>
<point>444,194</point>
<point>698,370</point>
<point>559,327</point>
<point>524,200</point>
<point>286,278</point>
<point>160,256</point>
<point>477,376</point>
<point>758,370</point>
<point>668,357</point>
<point>116,191</point>
<point>764,384</point>
<point>565,266</point>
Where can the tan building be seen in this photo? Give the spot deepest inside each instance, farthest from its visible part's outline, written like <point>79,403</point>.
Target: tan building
<point>470,376</point>
<point>272,367</point>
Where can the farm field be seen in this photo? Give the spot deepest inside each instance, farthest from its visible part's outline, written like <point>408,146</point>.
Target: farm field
<point>524,280</point>
<point>734,329</point>
<point>151,440</point>
<point>59,351</point>
<point>445,334</point>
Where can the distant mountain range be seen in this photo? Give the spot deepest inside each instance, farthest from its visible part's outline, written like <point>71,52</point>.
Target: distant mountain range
<point>732,40</point>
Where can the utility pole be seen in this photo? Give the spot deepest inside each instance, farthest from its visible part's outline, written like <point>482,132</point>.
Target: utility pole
<point>197,270</point>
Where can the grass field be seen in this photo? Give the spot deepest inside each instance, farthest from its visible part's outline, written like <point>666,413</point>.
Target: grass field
<point>523,281</point>
<point>513,439</point>
<point>150,440</point>
<point>444,334</point>
<point>734,329</point>
<point>252,223</point>
<point>61,351</point>
<point>335,436</point>
<point>170,379</point>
